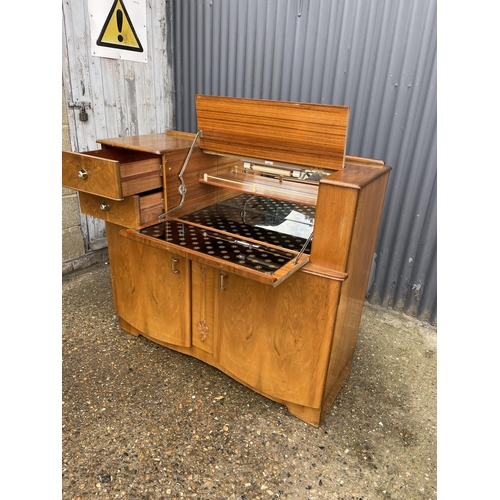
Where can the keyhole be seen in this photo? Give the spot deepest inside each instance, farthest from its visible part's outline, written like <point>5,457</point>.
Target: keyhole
<point>119,21</point>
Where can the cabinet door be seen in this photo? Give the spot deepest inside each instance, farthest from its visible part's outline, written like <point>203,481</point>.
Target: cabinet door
<point>151,289</point>
<point>278,340</point>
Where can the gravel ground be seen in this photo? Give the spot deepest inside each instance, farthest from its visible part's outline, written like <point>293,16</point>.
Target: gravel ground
<point>143,422</point>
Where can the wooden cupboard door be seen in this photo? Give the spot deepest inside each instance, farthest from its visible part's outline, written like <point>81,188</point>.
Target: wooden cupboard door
<point>278,340</point>
<point>151,289</point>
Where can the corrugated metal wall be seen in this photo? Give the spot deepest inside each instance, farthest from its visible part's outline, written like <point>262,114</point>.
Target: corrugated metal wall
<point>376,56</point>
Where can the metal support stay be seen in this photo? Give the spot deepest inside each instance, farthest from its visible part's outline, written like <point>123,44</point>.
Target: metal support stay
<point>182,187</point>
<point>302,250</point>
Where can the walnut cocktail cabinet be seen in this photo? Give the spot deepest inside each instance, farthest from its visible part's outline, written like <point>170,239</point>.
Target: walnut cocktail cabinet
<point>247,245</point>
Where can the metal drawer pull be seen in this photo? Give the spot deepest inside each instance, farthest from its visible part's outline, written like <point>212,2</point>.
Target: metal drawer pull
<point>83,174</point>
<point>105,206</point>
<point>174,270</point>
<point>222,286</point>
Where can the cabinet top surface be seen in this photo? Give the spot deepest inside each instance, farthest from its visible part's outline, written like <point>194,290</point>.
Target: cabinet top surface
<point>150,143</point>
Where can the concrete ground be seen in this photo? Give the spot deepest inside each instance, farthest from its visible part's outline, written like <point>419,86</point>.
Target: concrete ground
<point>143,422</point>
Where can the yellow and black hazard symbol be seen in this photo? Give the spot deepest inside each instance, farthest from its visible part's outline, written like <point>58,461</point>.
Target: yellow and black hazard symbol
<point>118,31</point>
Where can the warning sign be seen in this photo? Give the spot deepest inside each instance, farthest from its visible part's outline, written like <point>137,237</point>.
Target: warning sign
<point>118,29</point>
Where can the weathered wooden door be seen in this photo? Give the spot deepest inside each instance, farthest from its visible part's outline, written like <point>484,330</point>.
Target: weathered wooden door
<point>121,97</point>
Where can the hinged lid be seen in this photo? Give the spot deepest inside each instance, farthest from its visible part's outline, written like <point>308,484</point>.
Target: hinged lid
<point>289,132</point>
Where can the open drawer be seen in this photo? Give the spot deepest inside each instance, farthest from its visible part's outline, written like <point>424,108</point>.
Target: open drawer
<point>133,211</point>
<point>111,172</point>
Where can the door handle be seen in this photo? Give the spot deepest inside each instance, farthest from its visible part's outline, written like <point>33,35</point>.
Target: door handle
<point>174,270</point>
<point>222,286</point>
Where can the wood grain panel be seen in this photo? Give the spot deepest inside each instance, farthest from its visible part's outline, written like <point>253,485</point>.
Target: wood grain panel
<point>151,206</point>
<point>197,195</point>
<point>111,172</point>
<point>353,291</point>
<point>335,212</point>
<point>151,143</point>
<point>277,340</point>
<point>140,171</point>
<point>159,306</point>
<point>141,176</point>
<point>132,211</point>
<point>103,175</point>
<point>290,132</point>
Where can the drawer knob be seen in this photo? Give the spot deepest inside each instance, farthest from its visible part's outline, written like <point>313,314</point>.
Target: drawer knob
<point>83,174</point>
<point>105,206</point>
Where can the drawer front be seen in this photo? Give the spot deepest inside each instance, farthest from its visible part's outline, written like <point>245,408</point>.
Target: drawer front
<point>112,173</point>
<point>91,174</point>
<point>133,211</point>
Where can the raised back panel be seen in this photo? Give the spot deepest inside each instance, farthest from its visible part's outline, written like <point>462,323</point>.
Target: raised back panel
<point>288,132</point>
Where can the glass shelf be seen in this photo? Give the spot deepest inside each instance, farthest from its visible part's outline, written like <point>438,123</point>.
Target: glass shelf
<point>276,222</point>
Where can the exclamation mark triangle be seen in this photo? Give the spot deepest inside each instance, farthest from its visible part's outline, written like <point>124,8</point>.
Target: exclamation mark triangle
<point>118,31</point>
